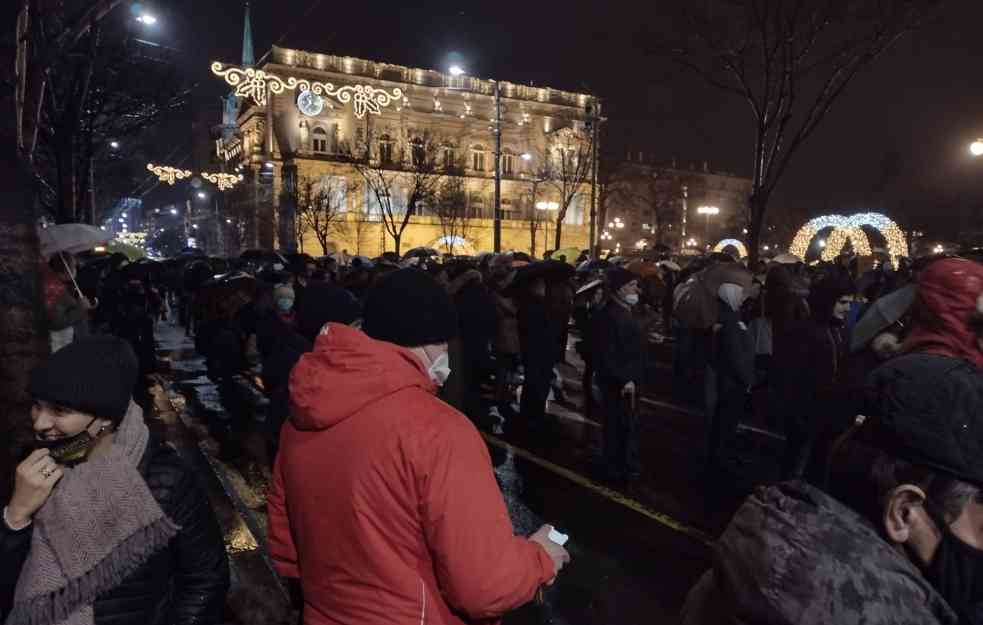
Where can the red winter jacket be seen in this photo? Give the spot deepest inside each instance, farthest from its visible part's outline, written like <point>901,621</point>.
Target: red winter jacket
<point>384,503</point>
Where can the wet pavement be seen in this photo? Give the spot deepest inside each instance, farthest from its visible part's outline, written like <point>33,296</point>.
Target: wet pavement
<point>635,554</point>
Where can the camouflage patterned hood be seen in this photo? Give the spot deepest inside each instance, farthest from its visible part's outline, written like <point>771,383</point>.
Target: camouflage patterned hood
<point>793,554</point>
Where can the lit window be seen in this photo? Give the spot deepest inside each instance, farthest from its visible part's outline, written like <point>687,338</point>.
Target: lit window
<point>508,163</point>
<point>478,158</point>
<point>319,141</point>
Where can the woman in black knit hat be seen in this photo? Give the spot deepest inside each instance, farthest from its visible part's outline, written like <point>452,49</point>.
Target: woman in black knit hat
<point>106,523</point>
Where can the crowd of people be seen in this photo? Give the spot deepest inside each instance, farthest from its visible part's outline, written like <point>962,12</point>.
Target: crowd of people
<point>379,374</point>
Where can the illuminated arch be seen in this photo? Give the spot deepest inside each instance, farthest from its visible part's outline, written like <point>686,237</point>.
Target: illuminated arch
<point>851,228</point>
<point>740,247</point>
<point>461,246</point>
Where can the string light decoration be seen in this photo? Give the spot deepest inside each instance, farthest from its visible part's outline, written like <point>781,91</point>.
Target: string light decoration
<point>741,250</point>
<point>223,181</point>
<point>257,85</point>
<point>167,174</point>
<point>851,228</point>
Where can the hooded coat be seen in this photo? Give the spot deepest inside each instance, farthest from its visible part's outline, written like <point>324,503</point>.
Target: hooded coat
<point>793,555</point>
<point>949,292</point>
<point>384,502</point>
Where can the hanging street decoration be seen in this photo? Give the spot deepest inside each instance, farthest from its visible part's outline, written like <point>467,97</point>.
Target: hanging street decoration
<point>222,180</point>
<point>851,228</point>
<point>167,174</point>
<point>256,84</point>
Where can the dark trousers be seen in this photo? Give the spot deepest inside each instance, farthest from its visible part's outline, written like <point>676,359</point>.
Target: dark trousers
<point>622,459</point>
<point>505,365</point>
<point>536,388</point>
<point>723,424</point>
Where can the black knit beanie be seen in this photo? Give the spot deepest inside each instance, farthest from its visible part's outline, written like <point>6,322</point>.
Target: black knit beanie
<point>409,308</point>
<point>94,375</point>
<point>325,303</point>
<point>618,277</point>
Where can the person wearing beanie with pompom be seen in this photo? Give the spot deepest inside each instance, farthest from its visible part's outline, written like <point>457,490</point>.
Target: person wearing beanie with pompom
<point>384,503</point>
<point>106,523</point>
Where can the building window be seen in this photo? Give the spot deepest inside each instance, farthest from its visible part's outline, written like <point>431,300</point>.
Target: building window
<point>508,163</point>
<point>385,150</point>
<point>448,157</point>
<point>418,152</point>
<point>476,205</point>
<point>319,141</point>
<point>509,206</point>
<point>478,158</point>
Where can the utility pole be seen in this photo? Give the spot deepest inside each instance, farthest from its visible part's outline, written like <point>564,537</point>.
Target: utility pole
<point>498,169</point>
<point>595,121</point>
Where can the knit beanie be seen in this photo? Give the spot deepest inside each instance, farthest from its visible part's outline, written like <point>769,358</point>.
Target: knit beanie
<point>94,375</point>
<point>409,308</point>
<point>618,277</point>
<point>325,303</point>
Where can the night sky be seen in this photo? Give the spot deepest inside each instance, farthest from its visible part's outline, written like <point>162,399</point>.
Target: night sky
<point>897,141</point>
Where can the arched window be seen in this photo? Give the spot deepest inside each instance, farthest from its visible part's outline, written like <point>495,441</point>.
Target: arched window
<point>385,149</point>
<point>478,157</point>
<point>319,141</point>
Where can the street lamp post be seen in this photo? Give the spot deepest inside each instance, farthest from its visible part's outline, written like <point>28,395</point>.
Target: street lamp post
<point>498,169</point>
<point>709,211</point>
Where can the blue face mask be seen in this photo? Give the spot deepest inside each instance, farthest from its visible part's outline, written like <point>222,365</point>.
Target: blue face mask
<point>285,304</point>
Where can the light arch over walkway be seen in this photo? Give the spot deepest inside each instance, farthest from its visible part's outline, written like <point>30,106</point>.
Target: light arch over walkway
<point>737,244</point>
<point>850,228</point>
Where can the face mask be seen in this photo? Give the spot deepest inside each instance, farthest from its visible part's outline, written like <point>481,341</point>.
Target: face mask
<point>631,299</point>
<point>956,572</point>
<point>72,450</point>
<point>440,369</point>
<point>285,304</point>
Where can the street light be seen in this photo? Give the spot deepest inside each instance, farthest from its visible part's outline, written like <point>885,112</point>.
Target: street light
<point>822,242</point>
<point>526,156</point>
<point>939,249</point>
<point>456,70</point>
<point>174,211</point>
<point>202,195</point>
<point>976,147</point>
<point>114,145</point>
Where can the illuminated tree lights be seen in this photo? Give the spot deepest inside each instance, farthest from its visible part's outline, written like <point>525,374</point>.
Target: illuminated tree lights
<point>257,84</point>
<point>733,242</point>
<point>167,174</point>
<point>850,228</point>
<point>223,181</point>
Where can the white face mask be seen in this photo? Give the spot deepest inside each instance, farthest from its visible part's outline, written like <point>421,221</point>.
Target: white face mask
<point>631,299</point>
<point>440,369</point>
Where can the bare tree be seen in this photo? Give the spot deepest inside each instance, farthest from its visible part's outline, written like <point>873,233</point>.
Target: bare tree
<point>789,62</point>
<point>566,167</point>
<point>536,218</point>
<point>322,208</point>
<point>414,168</point>
<point>451,209</point>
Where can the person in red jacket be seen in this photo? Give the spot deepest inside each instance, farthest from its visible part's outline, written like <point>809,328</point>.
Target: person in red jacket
<point>384,503</point>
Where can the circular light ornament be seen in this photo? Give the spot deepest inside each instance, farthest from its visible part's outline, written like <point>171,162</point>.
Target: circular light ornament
<point>310,103</point>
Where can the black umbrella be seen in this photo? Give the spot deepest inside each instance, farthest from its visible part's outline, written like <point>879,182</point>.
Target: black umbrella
<point>548,270</point>
<point>593,265</point>
<point>421,252</point>
<point>882,313</point>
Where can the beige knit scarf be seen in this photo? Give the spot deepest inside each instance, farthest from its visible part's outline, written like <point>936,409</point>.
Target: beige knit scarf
<point>98,526</point>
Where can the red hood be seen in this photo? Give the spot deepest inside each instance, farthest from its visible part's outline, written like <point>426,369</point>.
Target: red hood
<point>346,372</point>
<point>948,293</point>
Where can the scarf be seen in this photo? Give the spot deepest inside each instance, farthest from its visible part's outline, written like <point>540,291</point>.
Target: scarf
<point>99,525</point>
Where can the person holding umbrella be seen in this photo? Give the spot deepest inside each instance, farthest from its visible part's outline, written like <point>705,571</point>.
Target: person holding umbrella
<point>618,358</point>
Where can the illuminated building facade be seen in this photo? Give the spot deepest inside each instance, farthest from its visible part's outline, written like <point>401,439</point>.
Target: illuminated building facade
<point>324,118</point>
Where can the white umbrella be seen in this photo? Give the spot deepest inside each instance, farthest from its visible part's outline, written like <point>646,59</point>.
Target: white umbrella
<point>668,264</point>
<point>64,239</point>
<point>787,259</point>
<point>71,239</point>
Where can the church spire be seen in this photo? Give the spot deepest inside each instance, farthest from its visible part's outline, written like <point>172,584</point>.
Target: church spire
<point>248,58</point>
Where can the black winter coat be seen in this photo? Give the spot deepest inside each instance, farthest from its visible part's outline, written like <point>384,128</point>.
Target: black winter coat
<point>618,345</point>
<point>183,584</point>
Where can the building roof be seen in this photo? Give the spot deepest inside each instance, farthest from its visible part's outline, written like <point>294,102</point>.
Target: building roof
<point>413,76</point>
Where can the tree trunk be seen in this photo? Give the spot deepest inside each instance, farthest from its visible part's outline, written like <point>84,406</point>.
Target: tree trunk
<point>559,234</point>
<point>532,241</point>
<point>396,242</point>
<point>759,203</point>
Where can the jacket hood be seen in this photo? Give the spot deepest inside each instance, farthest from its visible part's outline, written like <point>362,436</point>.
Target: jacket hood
<point>949,292</point>
<point>793,554</point>
<point>346,371</point>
